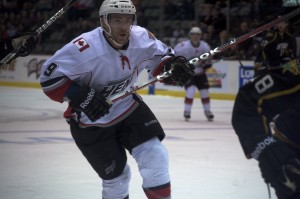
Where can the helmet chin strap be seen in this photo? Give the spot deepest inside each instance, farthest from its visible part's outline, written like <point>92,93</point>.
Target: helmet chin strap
<point>110,37</point>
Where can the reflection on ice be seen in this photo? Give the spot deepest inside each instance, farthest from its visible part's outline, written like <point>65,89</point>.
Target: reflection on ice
<point>38,158</point>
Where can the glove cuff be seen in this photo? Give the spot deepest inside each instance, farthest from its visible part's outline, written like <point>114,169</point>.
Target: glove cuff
<point>82,98</point>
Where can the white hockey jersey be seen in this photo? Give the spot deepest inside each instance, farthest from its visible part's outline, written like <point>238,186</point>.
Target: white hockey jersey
<point>186,49</point>
<point>91,60</point>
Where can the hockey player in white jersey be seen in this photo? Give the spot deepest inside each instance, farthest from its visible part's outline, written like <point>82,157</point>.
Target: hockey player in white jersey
<point>190,49</point>
<point>102,63</point>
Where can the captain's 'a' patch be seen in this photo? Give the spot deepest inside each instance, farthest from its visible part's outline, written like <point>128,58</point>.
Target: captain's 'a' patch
<point>151,35</point>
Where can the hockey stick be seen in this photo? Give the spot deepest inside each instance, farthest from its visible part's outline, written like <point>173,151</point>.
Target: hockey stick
<point>14,54</point>
<point>140,86</point>
<point>143,85</point>
<point>246,36</point>
<point>292,66</point>
<point>207,55</point>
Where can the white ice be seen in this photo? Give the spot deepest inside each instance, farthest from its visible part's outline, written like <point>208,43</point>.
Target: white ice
<point>39,159</point>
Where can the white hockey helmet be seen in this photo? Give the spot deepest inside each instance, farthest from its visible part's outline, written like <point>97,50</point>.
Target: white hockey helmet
<point>117,7</point>
<point>195,30</point>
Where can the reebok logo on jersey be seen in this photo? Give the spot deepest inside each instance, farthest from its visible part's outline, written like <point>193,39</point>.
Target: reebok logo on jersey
<point>81,44</point>
<point>151,122</point>
<point>88,99</point>
<point>261,146</point>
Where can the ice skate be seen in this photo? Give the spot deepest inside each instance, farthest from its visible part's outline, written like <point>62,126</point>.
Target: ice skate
<point>187,115</point>
<point>209,116</point>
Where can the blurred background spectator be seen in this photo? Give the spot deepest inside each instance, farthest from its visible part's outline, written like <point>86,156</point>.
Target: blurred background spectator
<point>178,31</point>
<point>169,20</point>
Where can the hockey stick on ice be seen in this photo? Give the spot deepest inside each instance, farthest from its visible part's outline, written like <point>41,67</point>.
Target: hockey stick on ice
<point>208,55</point>
<point>58,14</point>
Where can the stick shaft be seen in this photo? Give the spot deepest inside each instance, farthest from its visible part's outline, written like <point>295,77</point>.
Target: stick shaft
<point>245,36</point>
<point>139,86</point>
<point>41,29</point>
<point>208,55</point>
<point>57,15</point>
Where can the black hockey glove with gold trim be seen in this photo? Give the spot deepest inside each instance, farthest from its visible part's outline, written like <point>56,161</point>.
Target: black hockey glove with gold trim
<point>280,167</point>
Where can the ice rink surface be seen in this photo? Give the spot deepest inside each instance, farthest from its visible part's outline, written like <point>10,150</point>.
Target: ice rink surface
<point>39,159</point>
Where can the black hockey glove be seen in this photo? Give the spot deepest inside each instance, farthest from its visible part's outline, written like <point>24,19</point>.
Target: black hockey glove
<point>182,71</point>
<point>28,42</point>
<point>279,166</point>
<point>90,102</point>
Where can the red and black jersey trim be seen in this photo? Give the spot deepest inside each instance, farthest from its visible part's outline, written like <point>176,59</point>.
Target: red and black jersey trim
<point>56,88</point>
<point>161,67</point>
<point>51,82</point>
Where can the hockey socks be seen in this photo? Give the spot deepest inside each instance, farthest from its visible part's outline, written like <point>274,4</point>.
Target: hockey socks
<point>159,192</point>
